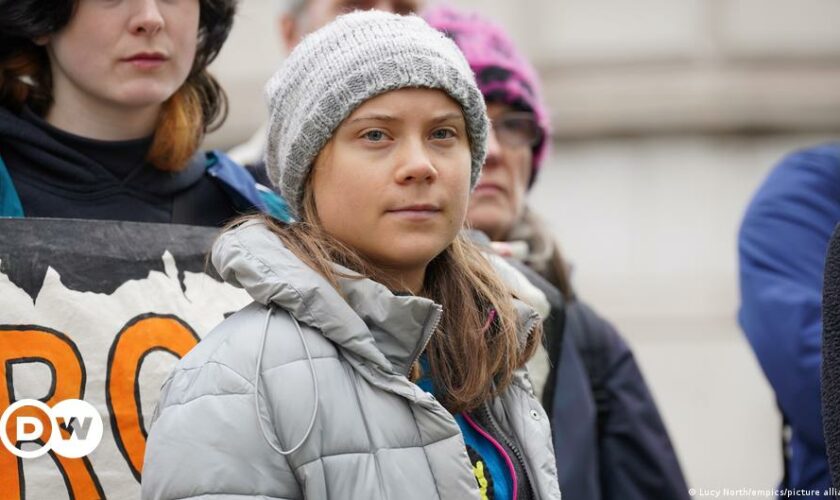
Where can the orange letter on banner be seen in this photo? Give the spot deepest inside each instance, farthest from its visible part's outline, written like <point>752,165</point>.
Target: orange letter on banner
<point>26,344</point>
<point>141,336</point>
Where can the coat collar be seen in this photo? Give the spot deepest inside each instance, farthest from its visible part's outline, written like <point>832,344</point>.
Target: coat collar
<point>366,318</point>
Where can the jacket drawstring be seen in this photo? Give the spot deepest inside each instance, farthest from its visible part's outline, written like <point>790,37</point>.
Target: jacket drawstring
<point>258,378</point>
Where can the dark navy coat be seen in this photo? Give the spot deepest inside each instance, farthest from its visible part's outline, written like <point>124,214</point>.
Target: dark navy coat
<point>610,442</point>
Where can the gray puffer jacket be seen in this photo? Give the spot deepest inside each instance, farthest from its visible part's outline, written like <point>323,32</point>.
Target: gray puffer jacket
<point>303,369</point>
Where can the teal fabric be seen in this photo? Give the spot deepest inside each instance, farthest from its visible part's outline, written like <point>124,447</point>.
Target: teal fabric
<point>9,201</point>
<point>275,205</point>
<point>243,190</point>
<point>494,469</point>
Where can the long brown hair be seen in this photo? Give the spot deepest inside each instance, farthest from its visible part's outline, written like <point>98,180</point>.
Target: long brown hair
<point>197,107</point>
<point>470,358</point>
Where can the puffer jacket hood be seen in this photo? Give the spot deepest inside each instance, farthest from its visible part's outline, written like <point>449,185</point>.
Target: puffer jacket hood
<point>253,258</point>
<point>369,320</point>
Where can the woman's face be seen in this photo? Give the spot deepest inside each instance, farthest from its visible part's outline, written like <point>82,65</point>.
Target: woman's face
<point>499,197</point>
<point>130,54</point>
<point>393,182</point>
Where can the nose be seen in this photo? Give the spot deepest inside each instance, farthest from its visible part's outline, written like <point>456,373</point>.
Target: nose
<point>415,164</point>
<point>146,18</point>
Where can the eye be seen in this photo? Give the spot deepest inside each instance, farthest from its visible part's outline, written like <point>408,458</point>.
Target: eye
<point>443,133</point>
<point>374,135</point>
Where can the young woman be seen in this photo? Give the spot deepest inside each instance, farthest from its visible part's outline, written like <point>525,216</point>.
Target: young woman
<point>382,357</point>
<point>103,105</point>
<point>611,442</point>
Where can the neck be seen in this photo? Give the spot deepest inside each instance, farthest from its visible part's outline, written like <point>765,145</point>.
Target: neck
<point>409,280</point>
<point>94,119</point>
<point>499,233</point>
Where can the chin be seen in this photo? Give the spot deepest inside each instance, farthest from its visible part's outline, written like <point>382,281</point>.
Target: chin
<point>145,95</point>
<point>413,257</point>
<point>411,254</point>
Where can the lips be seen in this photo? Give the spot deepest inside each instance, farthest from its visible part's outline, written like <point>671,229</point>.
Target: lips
<point>489,188</point>
<point>146,60</point>
<point>424,207</point>
<point>416,211</point>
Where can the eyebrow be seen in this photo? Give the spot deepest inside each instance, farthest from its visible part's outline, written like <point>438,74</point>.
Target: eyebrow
<point>374,117</point>
<point>448,116</point>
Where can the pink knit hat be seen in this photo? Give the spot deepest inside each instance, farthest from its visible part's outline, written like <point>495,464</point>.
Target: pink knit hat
<point>503,74</point>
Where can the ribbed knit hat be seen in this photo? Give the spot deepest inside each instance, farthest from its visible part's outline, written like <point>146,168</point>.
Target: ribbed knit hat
<point>340,66</point>
<point>504,75</point>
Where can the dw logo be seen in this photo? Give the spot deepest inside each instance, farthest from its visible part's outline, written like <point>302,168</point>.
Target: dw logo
<point>75,428</point>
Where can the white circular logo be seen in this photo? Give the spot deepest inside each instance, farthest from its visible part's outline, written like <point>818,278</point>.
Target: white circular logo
<point>80,422</point>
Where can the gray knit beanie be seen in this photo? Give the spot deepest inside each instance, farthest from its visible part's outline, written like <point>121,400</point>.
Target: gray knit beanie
<point>337,68</point>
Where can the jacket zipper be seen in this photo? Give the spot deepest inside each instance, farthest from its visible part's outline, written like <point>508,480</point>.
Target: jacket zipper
<point>427,336</point>
<point>526,491</point>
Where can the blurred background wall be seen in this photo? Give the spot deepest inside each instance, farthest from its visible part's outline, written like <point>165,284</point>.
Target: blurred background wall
<point>667,115</point>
